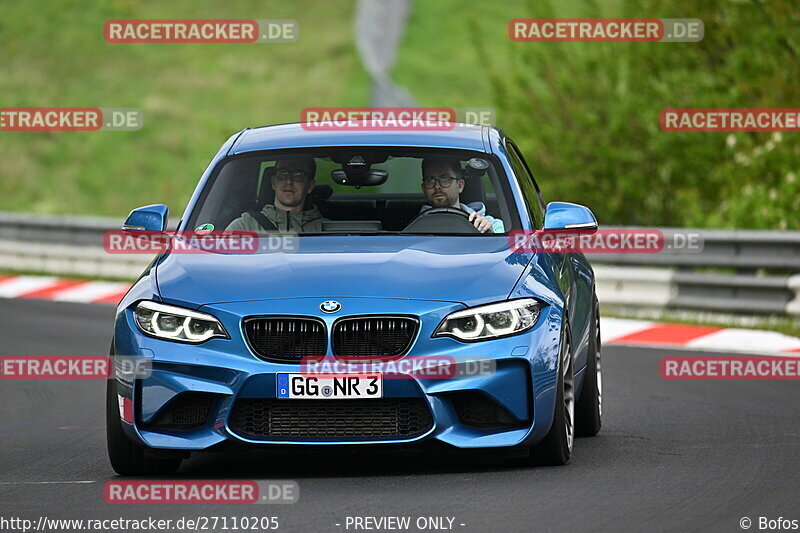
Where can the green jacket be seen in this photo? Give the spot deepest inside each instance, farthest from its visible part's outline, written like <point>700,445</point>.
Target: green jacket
<point>286,221</point>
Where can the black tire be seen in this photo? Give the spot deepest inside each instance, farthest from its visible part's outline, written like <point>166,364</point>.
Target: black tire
<point>127,458</point>
<point>589,409</point>
<point>556,448</point>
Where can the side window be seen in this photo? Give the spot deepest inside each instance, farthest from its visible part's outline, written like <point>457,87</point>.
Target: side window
<point>533,199</point>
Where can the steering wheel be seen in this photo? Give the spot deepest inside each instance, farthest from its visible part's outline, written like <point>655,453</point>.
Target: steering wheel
<point>425,224</point>
<point>443,210</point>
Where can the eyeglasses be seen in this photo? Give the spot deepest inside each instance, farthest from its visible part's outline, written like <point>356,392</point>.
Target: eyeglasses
<point>444,182</point>
<point>297,176</point>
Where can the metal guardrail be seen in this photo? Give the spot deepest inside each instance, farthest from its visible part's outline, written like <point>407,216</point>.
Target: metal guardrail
<point>744,251</point>
<point>764,266</point>
<point>750,272</point>
<point>71,230</point>
<point>64,246</point>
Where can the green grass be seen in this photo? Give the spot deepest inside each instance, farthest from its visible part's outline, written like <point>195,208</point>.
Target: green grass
<point>585,114</point>
<point>439,61</point>
<point>194,96</point>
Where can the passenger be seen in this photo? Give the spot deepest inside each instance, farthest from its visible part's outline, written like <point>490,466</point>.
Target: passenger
<point>292,181</point>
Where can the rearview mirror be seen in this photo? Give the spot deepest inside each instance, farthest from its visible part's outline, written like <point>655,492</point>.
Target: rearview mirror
<point>476,167</point>
<point>566,216</point>
<point>147,218</point>
<point>368,178</point>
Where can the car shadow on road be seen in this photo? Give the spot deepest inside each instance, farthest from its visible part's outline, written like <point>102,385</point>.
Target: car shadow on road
<point>293,463</point>
<point>318,463</point>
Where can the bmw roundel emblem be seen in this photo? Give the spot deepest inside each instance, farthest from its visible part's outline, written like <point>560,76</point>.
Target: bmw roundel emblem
<point>331,306</point>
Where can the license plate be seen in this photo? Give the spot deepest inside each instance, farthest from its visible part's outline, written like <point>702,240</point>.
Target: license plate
<point>329,387</point>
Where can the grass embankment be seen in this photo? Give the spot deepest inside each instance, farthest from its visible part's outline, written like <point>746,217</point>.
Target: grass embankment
<point>194,96</point>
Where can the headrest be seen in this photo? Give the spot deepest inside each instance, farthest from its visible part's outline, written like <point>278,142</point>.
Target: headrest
<point>473,191</point>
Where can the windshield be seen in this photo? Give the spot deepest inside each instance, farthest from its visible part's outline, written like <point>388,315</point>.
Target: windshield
<point>334,191</point>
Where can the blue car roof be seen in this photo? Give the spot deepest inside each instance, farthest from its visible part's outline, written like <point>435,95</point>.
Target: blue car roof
<point>462,137</point>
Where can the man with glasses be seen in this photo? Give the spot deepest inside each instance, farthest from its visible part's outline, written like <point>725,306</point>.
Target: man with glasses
<point>292,181</point>
<point>442,183</point>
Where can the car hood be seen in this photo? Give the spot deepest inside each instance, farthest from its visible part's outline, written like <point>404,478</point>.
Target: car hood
<point>467,270</point>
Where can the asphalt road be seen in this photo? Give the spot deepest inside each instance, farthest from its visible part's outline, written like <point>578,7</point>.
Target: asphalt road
<point>672,455</point>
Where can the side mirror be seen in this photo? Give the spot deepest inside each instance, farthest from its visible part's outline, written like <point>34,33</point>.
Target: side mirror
<point>566,216</point>
<point>147,218</point>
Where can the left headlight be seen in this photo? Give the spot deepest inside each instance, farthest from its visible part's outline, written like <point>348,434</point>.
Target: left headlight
<point>176,323</point>
<point>490,321</point>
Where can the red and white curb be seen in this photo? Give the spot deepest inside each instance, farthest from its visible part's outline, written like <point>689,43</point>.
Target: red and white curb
<point>700,338</point>
<point>614,330</point>
<point>62,290</point>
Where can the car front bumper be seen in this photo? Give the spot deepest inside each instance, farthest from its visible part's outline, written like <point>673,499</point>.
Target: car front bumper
<point>227,371</point>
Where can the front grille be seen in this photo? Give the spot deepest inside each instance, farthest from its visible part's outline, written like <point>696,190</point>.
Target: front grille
<point>286,339</point>
<point>385,418</point>
<point>188,410</point>
<point>373,336</point>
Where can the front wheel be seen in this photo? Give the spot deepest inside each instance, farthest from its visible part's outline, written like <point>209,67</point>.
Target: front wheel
<point>589,409</point>
<point>556,448</point>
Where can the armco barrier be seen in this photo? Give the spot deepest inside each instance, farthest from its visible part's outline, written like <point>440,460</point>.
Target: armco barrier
<point>749,272</point>
<point>793,308</point>
<point>65,246</point>
<point>745,251</point>
<point>70,260</point>
<point>635,287</point>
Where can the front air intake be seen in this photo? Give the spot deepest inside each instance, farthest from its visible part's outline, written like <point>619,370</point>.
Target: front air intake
<point>377,419</point>
<point>188,410</point>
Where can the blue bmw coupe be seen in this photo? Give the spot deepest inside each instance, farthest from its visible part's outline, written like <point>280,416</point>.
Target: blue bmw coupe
<point>392,245</point>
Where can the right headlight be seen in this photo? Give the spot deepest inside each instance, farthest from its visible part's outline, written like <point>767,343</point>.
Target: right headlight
<point>174,323</point>
<point>490,321</point>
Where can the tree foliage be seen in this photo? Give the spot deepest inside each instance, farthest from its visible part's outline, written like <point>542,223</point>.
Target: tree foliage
<point>587,116</point>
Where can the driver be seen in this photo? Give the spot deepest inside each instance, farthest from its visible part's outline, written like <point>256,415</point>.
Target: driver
<point>292,181</point>
<point>442,183</point>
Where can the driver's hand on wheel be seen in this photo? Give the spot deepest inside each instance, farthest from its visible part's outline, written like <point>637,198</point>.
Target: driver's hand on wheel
<point>480,223</point>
